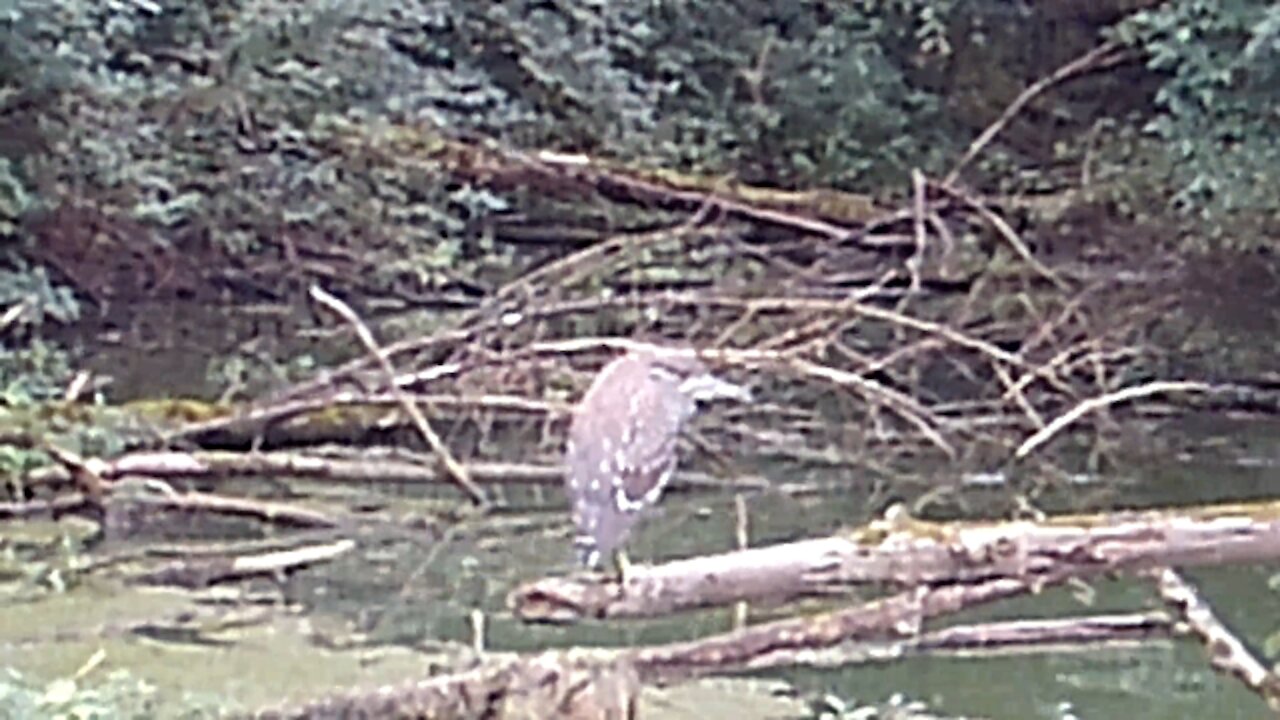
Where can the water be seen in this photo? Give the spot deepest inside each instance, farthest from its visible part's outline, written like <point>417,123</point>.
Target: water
<point>403,602</point>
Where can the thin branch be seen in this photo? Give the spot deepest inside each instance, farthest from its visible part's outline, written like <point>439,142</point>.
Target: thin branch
<point>1094,404</point>
<point>456,470</point>
<point>1103,56</point>
<point>1006,231</point>
<point>1226,651</point>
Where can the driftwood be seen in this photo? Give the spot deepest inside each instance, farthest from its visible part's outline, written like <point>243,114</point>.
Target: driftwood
<point>457,471</point>
<point>898,322</point>
<point>952,569</point>
<point>572,684</point>
<point>201,572</point>
<point>906,552</point>
<point>1226,651</point>
<point>371,467</point>
<point>605,683</point>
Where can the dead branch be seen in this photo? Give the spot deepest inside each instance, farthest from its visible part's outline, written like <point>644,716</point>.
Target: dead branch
<point>1226,652</point>
<point>1103,56</point>
<point>370,467</point>
<point>204,571</point>
<point>605,683</point>
<point>53,507</point>
<point>781,642</point>
<point>269,511</point>
<point>255,421</point>
<point>1007,233</point>
<point>902,551</point>
<point>575,685</point>
<point>1040,635</point>
<point>456,470</point>
<point>107,485</point>
<point>1046,433</point>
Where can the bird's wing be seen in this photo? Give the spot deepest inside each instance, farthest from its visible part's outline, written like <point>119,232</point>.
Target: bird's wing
<point>651,460</point>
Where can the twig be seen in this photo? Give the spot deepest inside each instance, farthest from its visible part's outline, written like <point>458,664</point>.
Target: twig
<point>599,251</point>
<point>86,474</point>
<point>257,418</point>
<point>456,470</point>
<point>1093,404</point>
<point>1004,230</point>
<point>742,517</point>
<point>799,304</point>
<point>14,313</point>
<point>1105,55</point>
<point>919,211</point>
<point>635,187</point>
<point>202,572</point>
<point>1226,652</point>
<point>343,373</point>
<point>192,501</point>
<point>371,467</point>
<point>1020,399</point>
<point>901,404</point>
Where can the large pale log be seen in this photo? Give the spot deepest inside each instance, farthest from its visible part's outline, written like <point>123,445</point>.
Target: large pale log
<point>904,552</point>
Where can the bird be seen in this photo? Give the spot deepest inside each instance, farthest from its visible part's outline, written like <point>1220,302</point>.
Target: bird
<point>621,447</point>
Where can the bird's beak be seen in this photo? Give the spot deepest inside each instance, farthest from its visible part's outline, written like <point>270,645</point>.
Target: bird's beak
<point>709,387</point>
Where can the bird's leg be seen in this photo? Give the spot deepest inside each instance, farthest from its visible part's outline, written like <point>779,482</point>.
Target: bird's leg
<point>623,565</point>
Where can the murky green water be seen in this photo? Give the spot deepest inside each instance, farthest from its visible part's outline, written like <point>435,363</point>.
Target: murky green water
<point>402,603</point>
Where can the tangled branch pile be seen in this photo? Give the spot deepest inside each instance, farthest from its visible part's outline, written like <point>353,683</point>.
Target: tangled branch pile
<point>875,338</point>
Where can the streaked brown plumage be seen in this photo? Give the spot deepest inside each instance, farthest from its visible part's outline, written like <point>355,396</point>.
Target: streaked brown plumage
<point>621,450</point>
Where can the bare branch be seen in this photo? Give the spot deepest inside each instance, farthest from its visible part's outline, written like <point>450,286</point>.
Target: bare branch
<point>456,470</point>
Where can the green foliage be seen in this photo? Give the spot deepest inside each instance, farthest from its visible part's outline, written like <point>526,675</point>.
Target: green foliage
<point>796,98</point>
<point>230,124</point>
<point>44,301</point>
<point>32,369</point>
<point>790,94</point>
<point>248,375</point>
<point>118,695</point>
<point>926,24</point>
<point>202,120</point>
<point>1216,111</point>
<point>31,373</point>
<point>15,198</point>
